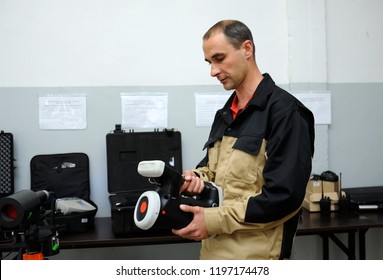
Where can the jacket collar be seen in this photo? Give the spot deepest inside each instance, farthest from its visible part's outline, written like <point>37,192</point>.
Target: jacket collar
<point>260,97</point>
<point>262,92</point>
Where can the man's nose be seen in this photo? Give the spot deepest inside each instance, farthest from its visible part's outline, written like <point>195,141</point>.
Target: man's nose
<point>214,70</point>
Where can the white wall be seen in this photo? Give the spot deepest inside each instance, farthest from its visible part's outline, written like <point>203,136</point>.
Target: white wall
<point>354,41</point>
<point>355,59</point>
<point>127,42</point>
<point>307,41</point>
<point>131,42</point>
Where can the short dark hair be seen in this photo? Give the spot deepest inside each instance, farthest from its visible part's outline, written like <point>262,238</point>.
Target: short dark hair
<point>235,31</point>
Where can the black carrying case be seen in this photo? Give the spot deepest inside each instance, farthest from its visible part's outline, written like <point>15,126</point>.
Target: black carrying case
<point>125,185</point>
<point>64,175</point>
<point>6,164</point>
<point>365,198</point>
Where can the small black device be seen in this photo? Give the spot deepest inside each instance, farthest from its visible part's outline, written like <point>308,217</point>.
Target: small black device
<point>325,203</point>
<point>162,207</point>
<point>344,199</point>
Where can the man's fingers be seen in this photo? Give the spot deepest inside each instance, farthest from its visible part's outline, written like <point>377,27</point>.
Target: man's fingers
<point>187,208</point>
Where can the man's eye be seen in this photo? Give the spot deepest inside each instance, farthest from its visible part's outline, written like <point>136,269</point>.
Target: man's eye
<point>219,58</point>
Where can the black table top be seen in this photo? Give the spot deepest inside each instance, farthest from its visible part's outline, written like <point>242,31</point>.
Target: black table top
<point>101,235</point>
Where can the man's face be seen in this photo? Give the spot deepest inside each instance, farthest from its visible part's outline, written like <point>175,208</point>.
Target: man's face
<point>227,64</point>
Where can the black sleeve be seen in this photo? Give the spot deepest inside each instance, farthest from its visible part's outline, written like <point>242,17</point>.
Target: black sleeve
<point>287,169</point>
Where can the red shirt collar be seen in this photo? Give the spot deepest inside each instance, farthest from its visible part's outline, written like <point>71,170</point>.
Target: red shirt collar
<point>234,109</point>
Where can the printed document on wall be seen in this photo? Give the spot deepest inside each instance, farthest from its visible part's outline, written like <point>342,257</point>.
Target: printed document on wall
<point>206,105</point>
<point>144,110</point>
<point>319,103</point>
<point>62,112</point>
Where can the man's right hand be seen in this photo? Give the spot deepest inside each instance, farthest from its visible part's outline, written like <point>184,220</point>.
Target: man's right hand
<point>193,184</point>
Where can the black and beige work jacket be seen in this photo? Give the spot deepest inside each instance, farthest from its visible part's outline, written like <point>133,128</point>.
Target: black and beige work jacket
<point>262,160</point>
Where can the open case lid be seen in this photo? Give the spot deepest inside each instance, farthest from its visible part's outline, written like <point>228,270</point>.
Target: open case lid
<point>65,174</point>
<point>126,149</point>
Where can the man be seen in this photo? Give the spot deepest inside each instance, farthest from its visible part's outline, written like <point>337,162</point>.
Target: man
<point>259,151</point>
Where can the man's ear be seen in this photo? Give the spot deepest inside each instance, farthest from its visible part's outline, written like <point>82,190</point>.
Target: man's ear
<point>248,48</point>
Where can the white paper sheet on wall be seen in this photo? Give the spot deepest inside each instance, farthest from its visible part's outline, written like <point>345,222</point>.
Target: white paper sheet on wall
<point>62,112</point>
<point>319,103</point>
<point>206,105</point>
<point>144,110</point>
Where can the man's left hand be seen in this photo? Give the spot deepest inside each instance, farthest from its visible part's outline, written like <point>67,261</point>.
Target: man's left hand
<point>196,230</point>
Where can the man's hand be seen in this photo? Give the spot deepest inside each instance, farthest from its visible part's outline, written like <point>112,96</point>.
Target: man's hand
<point>193,184</point>
<point>196,230</point>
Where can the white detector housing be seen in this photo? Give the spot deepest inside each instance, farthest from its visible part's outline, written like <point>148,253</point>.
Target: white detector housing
<point>151,168</point>
<point>151,213</point>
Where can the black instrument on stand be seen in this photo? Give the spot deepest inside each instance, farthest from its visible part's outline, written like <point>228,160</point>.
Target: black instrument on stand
<point>28,226</point>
